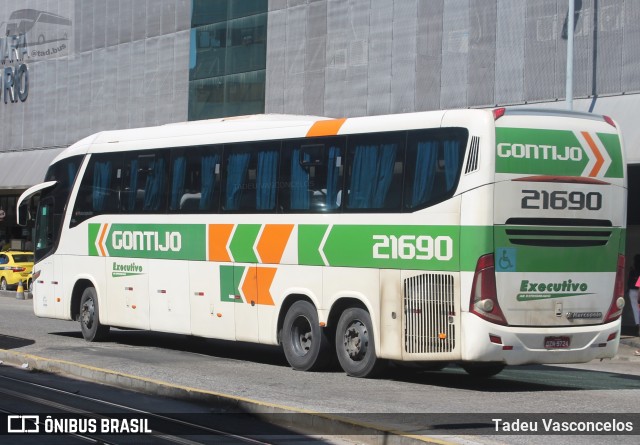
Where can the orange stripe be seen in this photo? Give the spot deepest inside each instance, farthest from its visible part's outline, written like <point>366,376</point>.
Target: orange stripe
<point>326,128</point>
<point>257,285</point>
<point>218,239</point>
<point>249,285</point>
<point>101,240</point>
<point>273,241</point>
<point>265,276</point>
<point>594,148</point>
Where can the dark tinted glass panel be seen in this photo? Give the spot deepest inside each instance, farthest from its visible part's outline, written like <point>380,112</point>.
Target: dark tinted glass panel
<point>244,93</point>
<point>246,42</point>
<point>195,180</point>
<point>311,175</point>
<point>228,58</point>
<point>250,182</point>
<point>144,182</point>
<point>210,51</point>
<point>64,172</point>
<point>53,203</point>
<point>244,8</point>
<point>234,95</point>
<point>99,189</point>
<point>434,163</point>
<point>205,12</point>
<point>206,98</point>
<point>47,227</point>
<point>23,258</point>
<point>375,170</point>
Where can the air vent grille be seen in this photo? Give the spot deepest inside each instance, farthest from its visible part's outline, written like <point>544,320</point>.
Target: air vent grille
<point>559,238</point>
<point>429,314</point>
<point>474,153</point>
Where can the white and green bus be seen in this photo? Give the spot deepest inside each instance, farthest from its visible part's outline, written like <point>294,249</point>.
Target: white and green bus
<point>479,237</point>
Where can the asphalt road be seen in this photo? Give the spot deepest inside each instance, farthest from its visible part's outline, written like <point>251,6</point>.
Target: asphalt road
<point>445,405</point>
<point>69,411</point>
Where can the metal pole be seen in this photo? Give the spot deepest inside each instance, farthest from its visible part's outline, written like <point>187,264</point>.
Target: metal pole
<point>570,26</point>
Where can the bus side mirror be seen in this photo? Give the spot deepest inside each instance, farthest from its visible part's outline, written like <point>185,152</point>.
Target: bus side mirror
<point>23,213</point>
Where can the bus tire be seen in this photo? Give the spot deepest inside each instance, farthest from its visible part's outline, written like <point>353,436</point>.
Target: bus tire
<point>482,370</point>
<point>355,345</point>
<point>304,342</point>
<point>92,329</point>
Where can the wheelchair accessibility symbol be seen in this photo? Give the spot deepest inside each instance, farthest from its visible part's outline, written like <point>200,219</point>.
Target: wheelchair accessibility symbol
<point>505,259</point>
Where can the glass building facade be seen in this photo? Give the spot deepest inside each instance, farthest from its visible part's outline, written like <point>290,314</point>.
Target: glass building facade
<point>227,63</point>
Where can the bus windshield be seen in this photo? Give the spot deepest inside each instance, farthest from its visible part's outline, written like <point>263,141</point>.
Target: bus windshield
<point>53,203</point>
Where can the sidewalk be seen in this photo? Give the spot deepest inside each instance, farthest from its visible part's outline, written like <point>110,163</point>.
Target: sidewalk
<point>630,340</point>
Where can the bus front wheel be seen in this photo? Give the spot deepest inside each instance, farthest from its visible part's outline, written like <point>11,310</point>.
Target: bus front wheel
<point>355,346</point>
<point>305,344</point>
<point>92,329</point>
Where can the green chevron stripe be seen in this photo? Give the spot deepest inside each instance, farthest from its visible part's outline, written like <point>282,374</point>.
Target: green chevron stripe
<point>230,277</point>
<point>241,245</point>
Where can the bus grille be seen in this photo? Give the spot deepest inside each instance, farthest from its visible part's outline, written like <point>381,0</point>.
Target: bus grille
<point>429,314</point>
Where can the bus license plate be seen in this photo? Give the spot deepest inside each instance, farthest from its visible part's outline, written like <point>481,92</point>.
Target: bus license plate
<point>556,342</point>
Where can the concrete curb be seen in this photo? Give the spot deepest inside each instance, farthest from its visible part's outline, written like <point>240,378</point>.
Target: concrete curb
<point>308,423</point>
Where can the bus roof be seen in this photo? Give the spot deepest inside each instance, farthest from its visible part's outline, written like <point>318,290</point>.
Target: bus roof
<point>244,128</point>
<point>283,126</point>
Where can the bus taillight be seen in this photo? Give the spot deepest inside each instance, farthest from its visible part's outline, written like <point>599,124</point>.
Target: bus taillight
<point>609,121</point>
<point>617,301</point>
<point>484,295</point>
<point>498,113</point>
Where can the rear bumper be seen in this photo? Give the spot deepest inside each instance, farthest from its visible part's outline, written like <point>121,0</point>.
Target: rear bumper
<point>520,346</point>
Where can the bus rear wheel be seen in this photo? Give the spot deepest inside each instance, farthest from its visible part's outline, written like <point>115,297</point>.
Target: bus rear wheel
<point>304,342</point>
<point>355,346</point>
<point>92,329</point>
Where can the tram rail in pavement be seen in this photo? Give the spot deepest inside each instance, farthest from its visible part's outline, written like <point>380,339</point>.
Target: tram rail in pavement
<point>307,422</point>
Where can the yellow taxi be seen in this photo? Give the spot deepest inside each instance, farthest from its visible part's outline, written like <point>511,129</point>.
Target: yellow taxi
<point>15,266</point>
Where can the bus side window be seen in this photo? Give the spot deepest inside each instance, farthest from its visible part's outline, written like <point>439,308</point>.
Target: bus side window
<point>251,182</point>
<point>195,180</point>
<point>311,175</point>
<point>434,160</point>
<point>375,171</point>
<point>145,182</point>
